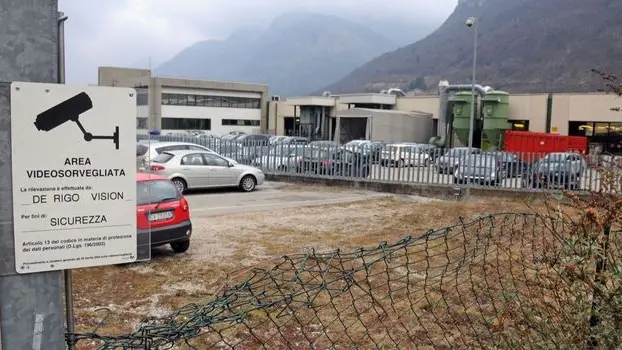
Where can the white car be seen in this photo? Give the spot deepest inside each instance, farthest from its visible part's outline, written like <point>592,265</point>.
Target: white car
<point>147,150</point>
<point>401,155</point>
<point>192,169</point>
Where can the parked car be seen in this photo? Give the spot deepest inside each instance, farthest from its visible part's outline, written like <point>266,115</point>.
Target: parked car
<point>148,151</point>
<point>555,170</point>
<point>511,163</point>
<point>335,163</point>
<point>200,169</point>
<point>162,215</point>
<point>248,147</point>
<point>281,157</point>
<point>448,162</point>
<point>401,155</point>
<point>481,169</point>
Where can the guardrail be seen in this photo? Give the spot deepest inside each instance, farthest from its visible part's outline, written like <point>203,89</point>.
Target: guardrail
<point>417,164</point>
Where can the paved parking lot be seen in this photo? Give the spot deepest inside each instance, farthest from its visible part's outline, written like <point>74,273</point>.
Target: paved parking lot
<point>270,196</point>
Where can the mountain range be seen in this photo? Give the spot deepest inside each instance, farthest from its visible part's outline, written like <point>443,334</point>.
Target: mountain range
<point>523,46</point>
<point>297,53</point>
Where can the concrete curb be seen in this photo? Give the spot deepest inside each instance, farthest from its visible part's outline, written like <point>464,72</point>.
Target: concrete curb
<point>447,192</point>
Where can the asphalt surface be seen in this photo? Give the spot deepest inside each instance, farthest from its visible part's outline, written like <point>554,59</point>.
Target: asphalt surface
<point>269,196</point>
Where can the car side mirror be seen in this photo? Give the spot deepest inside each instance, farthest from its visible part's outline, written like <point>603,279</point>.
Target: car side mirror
<point>231,165</point>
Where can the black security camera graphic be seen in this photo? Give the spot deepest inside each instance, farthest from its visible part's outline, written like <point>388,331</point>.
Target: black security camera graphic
<point>70,110</point>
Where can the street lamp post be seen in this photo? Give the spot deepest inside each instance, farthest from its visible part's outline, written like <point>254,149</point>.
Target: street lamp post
<point>471,22</point>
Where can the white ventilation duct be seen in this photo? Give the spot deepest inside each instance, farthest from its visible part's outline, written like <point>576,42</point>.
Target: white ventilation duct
<point>326,94</point>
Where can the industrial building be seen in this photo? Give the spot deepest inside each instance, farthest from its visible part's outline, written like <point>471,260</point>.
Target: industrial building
<point>174,105</point>
<point>365,116</point>
<point>584,114</point>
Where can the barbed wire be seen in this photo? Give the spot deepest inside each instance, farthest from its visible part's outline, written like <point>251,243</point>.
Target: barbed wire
<point>500,281</point>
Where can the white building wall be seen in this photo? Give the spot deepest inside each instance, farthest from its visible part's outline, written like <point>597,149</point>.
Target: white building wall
<point>216,115</point>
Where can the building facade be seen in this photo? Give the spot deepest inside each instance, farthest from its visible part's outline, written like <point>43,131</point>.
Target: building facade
<point>178,105</point>
<point>586,114</point>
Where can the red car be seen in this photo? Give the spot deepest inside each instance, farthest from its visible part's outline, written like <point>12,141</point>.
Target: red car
<point>162,214</point>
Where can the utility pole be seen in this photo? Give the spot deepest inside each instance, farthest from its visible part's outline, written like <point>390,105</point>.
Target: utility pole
<point>31,305</point>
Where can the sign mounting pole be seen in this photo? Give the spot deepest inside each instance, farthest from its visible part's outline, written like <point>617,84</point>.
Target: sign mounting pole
<point>68,277</point>
<point>31,312</point>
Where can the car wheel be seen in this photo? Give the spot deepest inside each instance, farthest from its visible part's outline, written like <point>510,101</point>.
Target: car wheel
<point>180,184</point>
<point>248,183</point>
<point>180,247</point>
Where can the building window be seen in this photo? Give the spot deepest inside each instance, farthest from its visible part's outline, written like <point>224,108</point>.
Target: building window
<point>595,129</point>
<point>519,125</point>
<point>186,124</point>
<point>142,123</point>
<point>142,97</point>
<point>240,122</point>
<point>210,101</point>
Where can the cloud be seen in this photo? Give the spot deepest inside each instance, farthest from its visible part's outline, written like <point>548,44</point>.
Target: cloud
<point>130,32</point>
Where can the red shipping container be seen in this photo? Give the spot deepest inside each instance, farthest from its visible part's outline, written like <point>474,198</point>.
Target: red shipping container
<point>533,145</point>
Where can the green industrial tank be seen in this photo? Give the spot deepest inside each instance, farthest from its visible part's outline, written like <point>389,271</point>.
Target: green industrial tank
<point>495,110</point>
<point>462,104</point>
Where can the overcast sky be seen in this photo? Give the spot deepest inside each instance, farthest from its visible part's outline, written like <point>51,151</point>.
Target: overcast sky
<point>128,32</point>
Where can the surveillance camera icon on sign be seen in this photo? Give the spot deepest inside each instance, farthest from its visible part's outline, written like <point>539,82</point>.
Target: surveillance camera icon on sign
<point>70,110</point>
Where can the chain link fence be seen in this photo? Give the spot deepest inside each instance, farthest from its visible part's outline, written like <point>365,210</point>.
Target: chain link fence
<point>504,281</point>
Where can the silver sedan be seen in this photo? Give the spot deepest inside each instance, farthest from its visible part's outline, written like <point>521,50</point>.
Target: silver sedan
<point>200,169</point>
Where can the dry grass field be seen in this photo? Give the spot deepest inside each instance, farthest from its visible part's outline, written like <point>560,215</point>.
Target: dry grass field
<point>112,300</point>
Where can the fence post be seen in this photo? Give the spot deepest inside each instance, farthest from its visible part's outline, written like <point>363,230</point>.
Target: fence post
<point>30,304</point>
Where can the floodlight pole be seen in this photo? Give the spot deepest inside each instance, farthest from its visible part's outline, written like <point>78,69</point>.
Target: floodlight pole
<point>474,24</point>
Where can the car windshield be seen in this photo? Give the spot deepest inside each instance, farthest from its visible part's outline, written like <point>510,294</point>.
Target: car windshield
<point>162,158</point>
<point>155,191</point>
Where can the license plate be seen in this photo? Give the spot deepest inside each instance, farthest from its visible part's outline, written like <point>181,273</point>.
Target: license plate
<point>161,216</point>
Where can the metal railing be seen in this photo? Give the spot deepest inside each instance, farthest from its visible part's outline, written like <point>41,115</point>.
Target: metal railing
<point>418,164</point>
